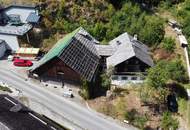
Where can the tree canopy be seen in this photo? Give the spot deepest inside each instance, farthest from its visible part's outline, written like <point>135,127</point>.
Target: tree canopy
<point>103,20</point>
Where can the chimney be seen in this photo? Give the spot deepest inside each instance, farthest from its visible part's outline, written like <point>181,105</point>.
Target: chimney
<point>135,37</point>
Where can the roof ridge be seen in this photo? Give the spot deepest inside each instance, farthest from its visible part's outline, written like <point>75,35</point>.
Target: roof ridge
<point>56,49</point>
<point>73,35</point>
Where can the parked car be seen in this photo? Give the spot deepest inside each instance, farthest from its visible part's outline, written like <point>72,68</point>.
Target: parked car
<point>23,63</point>
<point>172,103</point>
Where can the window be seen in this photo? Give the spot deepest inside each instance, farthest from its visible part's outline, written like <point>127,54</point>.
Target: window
<point>124,78</point>
<point>114,77</point>
<point>136,62</point>
<point>142,78</point>
<point>133,78</point>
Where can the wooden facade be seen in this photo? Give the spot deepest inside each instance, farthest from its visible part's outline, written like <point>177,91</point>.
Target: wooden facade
<point>133,65</point>
<point>52,69</point>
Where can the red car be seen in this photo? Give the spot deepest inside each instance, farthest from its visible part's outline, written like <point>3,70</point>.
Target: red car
<point>23,63</point>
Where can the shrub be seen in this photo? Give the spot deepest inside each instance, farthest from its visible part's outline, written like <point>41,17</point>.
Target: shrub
<point>105,81</point>
<point>168,44</point>
<point>106,78</point>
<point>140,121</point>
<point>163,71</point>
<point>158,75</point>
<point>84,92</point>
<point>136,119</point>
<point>6,89</point>
<point>168,123</point>
<point>176,71</point>
<point>130,116</point>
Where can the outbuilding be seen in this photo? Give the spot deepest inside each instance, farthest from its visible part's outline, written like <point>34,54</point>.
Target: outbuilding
<point>72,58</point>
<point>27,52</point>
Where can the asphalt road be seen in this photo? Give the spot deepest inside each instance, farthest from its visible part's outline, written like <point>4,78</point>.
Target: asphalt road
<point>81,116</point>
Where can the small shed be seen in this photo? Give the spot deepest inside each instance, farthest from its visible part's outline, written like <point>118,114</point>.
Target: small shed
<point>28,52</point>
<point>183,41</point>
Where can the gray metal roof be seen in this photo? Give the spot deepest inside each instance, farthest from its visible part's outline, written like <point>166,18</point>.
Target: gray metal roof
<point>104,50</point>
<point>33,18</point>
<point>127,47</point>
<point>15,30</point>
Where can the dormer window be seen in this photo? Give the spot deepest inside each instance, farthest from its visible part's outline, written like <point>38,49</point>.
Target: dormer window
<point>88,37</point>
<point>118,43</point>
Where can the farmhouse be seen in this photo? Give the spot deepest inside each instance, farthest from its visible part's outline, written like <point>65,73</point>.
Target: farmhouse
<point>128,57</point>
<point>79,56</point>
<point>73,58</point>
<point>15,22</point>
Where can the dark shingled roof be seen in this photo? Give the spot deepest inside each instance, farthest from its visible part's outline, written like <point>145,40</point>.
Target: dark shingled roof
<point>77,50</point>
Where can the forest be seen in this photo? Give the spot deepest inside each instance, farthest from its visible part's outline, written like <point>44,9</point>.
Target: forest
<point>103,19</point>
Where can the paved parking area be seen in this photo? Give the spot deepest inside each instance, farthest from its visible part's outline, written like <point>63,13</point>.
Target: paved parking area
<point>56,88</point>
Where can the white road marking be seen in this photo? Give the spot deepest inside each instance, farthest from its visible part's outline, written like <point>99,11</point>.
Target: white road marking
<point>10,100</point>
<point>37,118</point>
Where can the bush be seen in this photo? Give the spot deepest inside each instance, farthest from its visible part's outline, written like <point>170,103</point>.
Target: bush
<point>158,75</point>
<point>169,123</point>
<point>140,121</point>
<point>152,32</point>
<point>176,71</point>
<point>106,78</point>
<point>165,70</point>
<point>136,119</point>
<point>105,81</point>
<point>130,116</point>
<point>6,89</point>
<point>85,92</point>
<point>168,44</point>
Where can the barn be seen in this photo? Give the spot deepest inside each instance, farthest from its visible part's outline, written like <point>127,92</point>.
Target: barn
<point>72,58</point>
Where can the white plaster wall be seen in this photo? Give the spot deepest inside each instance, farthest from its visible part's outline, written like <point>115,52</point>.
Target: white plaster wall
<point>24,13</point>
<point>120,82</point>
<point>11,41</point>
